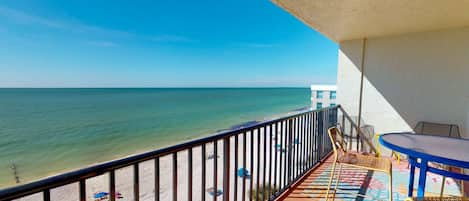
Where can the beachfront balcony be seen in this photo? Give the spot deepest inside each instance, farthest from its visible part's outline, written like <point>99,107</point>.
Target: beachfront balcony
<point>399,63</point>
<point>395,68</point>
<point>282,159</point>
<point>258,162</point>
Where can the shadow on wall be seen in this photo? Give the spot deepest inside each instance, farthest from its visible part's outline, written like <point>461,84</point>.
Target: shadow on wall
<point>413,77</point>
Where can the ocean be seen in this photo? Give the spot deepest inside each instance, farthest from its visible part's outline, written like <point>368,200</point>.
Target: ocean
<point>49,131</point>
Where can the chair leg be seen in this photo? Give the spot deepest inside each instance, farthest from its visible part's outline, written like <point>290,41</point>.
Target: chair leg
<point>398,157</point>
<point>330,180</point>
<point>462,188</point>
<point>442,187</point>
<point>337,181</point>
<point>463,193</point>
<point>390,185</point>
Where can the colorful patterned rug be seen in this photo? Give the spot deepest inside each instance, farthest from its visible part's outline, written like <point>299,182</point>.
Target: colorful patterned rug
<point>370,183</point>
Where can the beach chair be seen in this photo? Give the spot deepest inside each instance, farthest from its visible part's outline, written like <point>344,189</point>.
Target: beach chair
<point>440,129</point>
<point>342,157</point>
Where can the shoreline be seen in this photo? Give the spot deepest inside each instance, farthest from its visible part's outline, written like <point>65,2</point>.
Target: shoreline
<point>124,176</point>
<point>141,151</point>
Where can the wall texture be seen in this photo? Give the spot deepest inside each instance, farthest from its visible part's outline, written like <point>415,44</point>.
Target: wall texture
<point>408,78</point>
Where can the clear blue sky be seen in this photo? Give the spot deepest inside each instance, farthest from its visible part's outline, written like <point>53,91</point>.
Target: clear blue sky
<point>170,43</point>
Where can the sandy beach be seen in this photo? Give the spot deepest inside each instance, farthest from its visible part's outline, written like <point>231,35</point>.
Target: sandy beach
<point>124,176</point>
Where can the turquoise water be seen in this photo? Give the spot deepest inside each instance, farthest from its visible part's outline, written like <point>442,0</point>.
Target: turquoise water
<point>48,131</point>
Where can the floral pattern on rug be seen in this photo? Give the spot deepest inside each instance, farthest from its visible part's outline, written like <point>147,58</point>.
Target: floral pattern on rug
<point>374,184</point>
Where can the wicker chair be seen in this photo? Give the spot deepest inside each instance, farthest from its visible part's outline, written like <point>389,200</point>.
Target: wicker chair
<point>342,157</point>
<point>440,129</point>
<point>431,128</point>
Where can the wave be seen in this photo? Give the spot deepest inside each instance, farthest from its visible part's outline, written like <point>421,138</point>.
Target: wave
<point>241,125</point>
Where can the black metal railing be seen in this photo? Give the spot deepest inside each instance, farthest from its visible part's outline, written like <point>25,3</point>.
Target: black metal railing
<point>259,162</point>
<point>355,137</point>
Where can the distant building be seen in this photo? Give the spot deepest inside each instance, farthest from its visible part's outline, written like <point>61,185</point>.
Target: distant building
<point>323,96</point>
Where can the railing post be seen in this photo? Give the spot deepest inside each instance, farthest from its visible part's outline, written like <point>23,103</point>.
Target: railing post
<point>137,183</point>
<point>325,127</point>
<point>343,124</point>
<point>175,176</point>
<point>157,179</point>
<point>189,174</point>
<point>215,169</point>
<point>290,149</point>
<point>82,191</point>
<point>112,185</point>
<point>320,129</point>
<point>226,169</point>
<point>351,136</point>
<point>335,119</point>
<point>46,195</point>
<point>204,164</point>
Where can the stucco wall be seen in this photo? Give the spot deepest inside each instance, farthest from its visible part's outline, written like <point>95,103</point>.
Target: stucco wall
<point>408,78</point>
<point>348,76</point>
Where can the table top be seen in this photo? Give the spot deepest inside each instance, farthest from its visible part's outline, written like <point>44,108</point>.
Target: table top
<point>451,151</point>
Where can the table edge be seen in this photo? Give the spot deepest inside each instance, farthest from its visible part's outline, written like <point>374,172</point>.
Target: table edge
<point>421,155</point>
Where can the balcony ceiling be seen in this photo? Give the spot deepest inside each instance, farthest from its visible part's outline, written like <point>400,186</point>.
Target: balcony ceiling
<point>342,20</point>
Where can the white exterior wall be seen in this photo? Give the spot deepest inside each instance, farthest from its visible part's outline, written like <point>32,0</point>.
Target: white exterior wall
<point>408,78</point>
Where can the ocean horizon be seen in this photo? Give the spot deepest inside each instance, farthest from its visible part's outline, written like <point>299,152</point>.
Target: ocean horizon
<point>46,131</point>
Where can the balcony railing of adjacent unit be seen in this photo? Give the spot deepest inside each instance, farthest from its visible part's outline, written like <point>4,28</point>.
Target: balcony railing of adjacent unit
<point>259,162</point>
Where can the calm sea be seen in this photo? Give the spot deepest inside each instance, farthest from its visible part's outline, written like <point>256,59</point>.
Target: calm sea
<point>48,131</point>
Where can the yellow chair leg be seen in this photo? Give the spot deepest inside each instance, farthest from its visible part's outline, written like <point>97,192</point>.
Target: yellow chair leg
<point>330,180</point>
<point>378,146</point>
<point>337,181</point>
<point>390,185</point>
<point>442,187</point>
<point>398,157</point>
<point>378,150</point>
<point>463,193</point>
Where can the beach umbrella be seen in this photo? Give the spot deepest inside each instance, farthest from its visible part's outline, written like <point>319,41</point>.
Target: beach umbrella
<point>279,148</point>
<point>297,141</point>
<point>100,195</point>
<point>243,172</point>
<point>214,192</point>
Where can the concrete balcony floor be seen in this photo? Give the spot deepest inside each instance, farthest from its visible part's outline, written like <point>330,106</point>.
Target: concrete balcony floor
<point>374,185</point>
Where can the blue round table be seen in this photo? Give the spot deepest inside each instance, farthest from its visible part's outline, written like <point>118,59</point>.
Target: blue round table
<point>429,148</point>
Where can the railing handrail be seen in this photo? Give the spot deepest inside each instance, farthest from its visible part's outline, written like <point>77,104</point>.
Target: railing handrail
<point>359,131</point>
<point>101,168</point>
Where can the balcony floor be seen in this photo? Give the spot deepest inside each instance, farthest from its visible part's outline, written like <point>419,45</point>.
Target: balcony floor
<point>373,184</point>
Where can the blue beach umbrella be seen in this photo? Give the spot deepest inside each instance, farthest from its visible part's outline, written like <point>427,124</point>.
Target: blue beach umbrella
<point>297,141</point>
<point>100,195</point>
<point>243,173</point>
<point>278,147</point>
